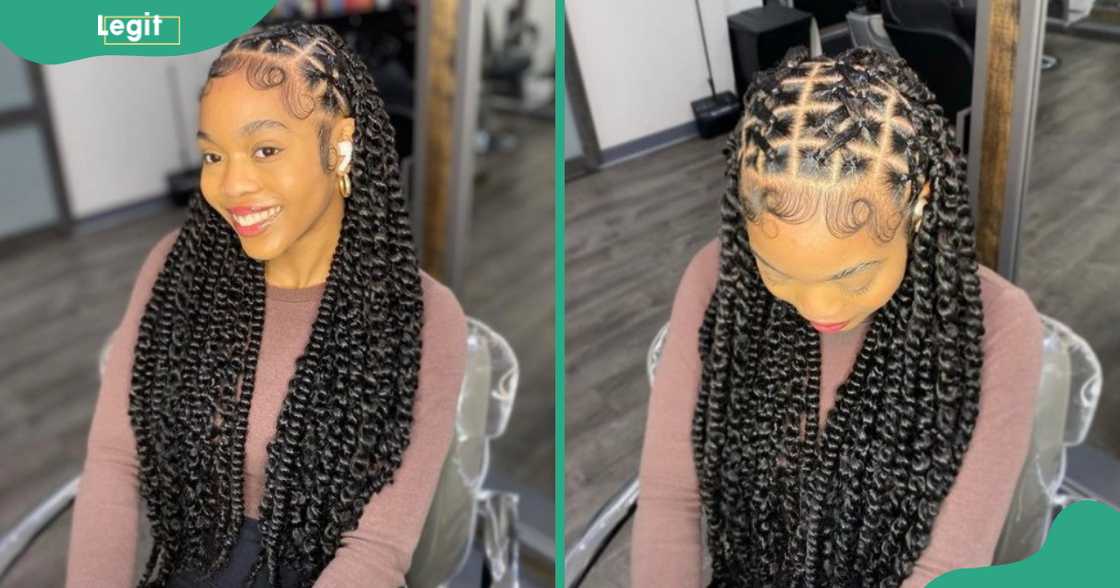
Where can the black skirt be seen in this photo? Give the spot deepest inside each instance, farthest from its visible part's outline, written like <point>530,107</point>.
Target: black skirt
<point>241,559</point>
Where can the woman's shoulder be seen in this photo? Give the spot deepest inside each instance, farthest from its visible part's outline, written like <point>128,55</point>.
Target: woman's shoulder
<point>158,253</point>
<point>695,289</point>
<point>1007,308</point>
<point>1012,351</point>
<point>150,268</point>
<point>440,304</point>
<point>701,274</point>
<point>445,324</point>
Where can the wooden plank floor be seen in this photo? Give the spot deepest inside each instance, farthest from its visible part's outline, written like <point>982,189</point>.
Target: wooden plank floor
<point>509,285</point>
<point>631,230</point>
<point>62,298</point>
<point>1070,254</point>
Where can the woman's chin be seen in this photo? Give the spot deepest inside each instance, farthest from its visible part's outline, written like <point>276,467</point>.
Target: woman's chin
<point>263,247</point>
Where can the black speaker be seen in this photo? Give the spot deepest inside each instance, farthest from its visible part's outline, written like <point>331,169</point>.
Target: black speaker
<point>760,38</point>
<point>716,115</point>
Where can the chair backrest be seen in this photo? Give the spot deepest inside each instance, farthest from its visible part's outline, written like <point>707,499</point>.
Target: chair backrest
<point>941,59</point>
<point>1065,403</point>
<point>920,14</point>
<point>827,12</point>
<point>1068,12</point>
<point>1058,9</point>
<point>485,403</point>
<point>1064,406</point>
<point>867,31</point>
<point>1027,518</point>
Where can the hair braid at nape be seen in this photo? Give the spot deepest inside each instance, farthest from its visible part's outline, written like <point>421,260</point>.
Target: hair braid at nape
<point>346,419</point>
<point>853,505</point>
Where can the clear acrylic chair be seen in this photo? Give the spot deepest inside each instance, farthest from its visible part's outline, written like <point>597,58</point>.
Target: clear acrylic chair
<point>485,404</point>
<point>1066,401</point>
<point>1064,407</point>
<point>461,500</point>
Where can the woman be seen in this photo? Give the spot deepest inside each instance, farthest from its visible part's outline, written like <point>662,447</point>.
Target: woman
<point>282,388</point>
<point>845,396</point>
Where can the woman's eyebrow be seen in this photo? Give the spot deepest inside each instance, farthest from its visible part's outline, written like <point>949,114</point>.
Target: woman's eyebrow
<point>855,269</point>
<point>257,125</point>
<point>250,128</point>
<point>837,276</point>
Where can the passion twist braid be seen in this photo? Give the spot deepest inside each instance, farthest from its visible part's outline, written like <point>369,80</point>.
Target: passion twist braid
<point>854,505</point>
<point>348,412</point>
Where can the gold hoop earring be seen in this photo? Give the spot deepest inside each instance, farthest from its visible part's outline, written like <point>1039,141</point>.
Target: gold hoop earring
<point>344,184</point>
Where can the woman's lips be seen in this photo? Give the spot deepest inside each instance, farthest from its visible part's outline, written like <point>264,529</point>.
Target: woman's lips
<point>253,220</point>
<point>828,327</point>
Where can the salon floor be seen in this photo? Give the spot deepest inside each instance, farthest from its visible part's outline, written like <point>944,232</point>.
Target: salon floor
<point>63,297</point>
<point>632,228</point>
<point>509,285</point>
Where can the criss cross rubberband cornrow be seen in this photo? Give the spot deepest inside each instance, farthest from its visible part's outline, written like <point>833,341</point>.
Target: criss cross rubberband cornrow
<point>317,60</point>
<point>831,118</point>
<point>831,123</point>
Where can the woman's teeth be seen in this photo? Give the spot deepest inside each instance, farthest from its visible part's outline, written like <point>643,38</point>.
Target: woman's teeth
<point>256,217</point>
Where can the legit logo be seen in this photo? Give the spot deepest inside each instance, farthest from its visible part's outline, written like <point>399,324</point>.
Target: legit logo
<point>139,30</point>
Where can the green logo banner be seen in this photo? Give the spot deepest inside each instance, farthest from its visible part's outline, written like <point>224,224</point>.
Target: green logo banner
<point>46,32</point>
<point>1081,550</point>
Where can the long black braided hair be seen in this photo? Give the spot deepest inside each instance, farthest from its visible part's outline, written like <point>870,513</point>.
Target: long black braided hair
<point>347,415</point>
<point>854,505</point>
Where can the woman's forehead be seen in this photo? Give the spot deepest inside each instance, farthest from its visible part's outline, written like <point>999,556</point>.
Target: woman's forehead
<point>810,250</point>
<point>845,206</point>
<point>231,102</point>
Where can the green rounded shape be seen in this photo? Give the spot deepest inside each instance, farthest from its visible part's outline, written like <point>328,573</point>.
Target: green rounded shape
<point>1081,550</point>
<point>47,33</point>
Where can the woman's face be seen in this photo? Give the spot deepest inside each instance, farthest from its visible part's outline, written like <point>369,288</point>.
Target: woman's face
<point>261,169</point>
<point>834,283</point>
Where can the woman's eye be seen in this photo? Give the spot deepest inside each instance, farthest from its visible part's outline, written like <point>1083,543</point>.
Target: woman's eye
<point>266,152</point>
<point>209,158</point>
<point>862,290</point>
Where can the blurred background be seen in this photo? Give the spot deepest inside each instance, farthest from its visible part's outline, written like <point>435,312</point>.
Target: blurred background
<point>1031,88</point>
<point>94,172</point>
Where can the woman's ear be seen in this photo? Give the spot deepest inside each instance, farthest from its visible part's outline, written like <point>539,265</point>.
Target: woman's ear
<point>342,138</point>
<point>343,130</point>
<point>919,207</point>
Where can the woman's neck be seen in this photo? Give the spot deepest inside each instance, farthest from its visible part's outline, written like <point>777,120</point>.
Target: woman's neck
<point>307,262</point>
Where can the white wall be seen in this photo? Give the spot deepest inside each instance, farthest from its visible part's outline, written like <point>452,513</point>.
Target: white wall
<point>642,61</point>
<point>115,126</point>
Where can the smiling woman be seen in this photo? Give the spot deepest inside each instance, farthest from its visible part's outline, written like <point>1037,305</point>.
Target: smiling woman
<point>271,163</point>
<point>281,391</point>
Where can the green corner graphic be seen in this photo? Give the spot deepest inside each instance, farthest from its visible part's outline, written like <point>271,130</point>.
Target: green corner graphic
<point>47,33</point>
<point>1082,549</point>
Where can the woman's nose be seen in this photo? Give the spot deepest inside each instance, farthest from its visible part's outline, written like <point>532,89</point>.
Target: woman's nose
<point>820,303</point>
<point>238,179</point>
